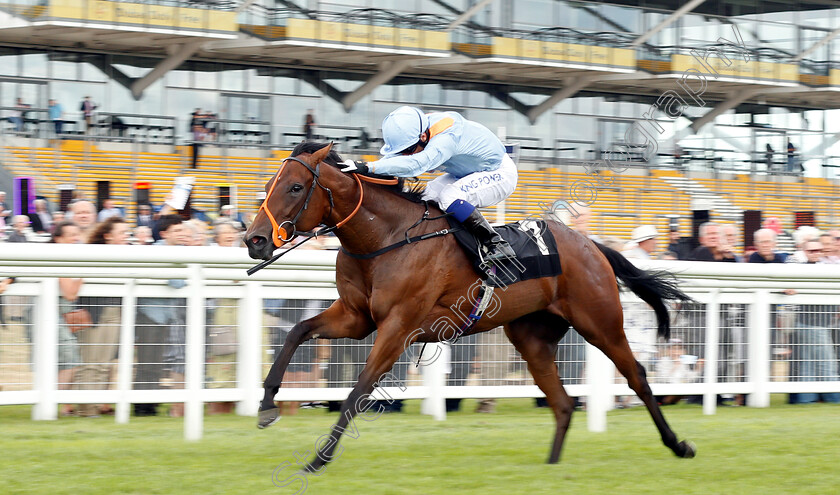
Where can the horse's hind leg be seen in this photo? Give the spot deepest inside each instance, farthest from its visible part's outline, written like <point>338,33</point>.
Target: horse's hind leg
<point>604,329</point>
<point>335,322</point>
<point>535,336</point>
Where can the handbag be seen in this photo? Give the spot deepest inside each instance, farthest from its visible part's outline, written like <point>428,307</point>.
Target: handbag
<point>78,319</point>
<point>222,341</point>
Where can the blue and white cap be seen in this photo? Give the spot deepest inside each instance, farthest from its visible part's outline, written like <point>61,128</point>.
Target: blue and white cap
<point>402,128</point>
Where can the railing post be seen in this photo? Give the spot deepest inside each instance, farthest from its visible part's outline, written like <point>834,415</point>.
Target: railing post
<point>45,335</point>
<point>249,363</point>
<point>600,373</point>
<point>434,379</point>
<point>759,350</point>
<point>712,340</point>
<point>125,364</point>
<point>194,358</point>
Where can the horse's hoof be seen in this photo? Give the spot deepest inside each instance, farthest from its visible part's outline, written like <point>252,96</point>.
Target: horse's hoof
<point>689,449</point>
<point>268,417</point>
<point>311,468</point>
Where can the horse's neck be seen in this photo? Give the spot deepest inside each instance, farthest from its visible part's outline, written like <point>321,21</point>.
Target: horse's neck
<point>382,220</point>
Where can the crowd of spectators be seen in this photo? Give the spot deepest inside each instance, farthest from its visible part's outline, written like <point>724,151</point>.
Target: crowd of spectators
<point>89,326</point>
<point>806,337</point>
<point>87,357</point>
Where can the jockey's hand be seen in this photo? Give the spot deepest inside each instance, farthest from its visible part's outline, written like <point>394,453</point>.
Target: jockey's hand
<point>354,167</point>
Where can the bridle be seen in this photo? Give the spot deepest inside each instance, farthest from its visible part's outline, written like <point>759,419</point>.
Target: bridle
<point>279,234</point>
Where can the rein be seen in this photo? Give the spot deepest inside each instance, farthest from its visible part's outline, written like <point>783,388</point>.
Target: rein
<point>279,234</point>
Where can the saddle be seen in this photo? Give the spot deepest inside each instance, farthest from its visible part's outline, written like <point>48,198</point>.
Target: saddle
<point>535,248</point>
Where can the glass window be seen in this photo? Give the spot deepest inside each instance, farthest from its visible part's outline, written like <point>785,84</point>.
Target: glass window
<point>258,80</point>
<point>204,75</point>
<point>90,66</point>
<point>34,65</point>
<point>71,93</point>
<point>285,85</point>
<point>64,66</point>
<point>232,78</point>
<point>179,78</point>
<point>181,103</point>
<point>9,61</point>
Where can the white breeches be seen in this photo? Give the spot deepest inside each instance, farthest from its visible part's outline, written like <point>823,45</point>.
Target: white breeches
<point>479,189</point>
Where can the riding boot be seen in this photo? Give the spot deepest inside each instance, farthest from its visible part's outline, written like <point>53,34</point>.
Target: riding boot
<point>497,248</point>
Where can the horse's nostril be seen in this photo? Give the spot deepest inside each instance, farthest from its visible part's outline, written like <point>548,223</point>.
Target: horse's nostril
<point>258,240</point>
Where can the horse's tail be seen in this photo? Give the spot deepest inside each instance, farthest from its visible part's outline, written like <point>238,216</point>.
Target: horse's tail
<point>652,287</point>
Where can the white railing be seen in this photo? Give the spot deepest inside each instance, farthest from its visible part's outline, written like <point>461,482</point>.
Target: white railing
<point>737,327</point>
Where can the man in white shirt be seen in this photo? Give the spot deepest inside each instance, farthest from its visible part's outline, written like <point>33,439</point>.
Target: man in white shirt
<point>643,243</point>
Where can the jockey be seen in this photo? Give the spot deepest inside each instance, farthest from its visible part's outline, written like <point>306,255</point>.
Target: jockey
<point>478,172</point>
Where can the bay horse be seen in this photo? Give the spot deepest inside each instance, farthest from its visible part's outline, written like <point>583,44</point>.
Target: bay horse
<point>402,292</point>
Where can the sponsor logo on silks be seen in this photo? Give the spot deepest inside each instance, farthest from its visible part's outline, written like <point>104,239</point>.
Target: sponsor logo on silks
<point>482,180</point>
<point>535,230</point>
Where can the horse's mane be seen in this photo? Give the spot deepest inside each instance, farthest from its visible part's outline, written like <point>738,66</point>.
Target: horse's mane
<point>413,191</point>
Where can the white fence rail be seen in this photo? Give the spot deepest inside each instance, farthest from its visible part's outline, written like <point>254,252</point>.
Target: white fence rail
<point>743,335</point>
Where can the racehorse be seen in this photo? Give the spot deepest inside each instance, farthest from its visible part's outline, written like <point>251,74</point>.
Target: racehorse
<point>403,292</point>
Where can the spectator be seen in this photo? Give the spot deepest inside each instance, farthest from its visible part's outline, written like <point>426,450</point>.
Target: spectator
<point>57,217</point>
<point>56,115</point>
<point>208,122</point>
<point>68,346</point>
<point>222,328</point>
<point>144,216</point>
<point>801,236</point>
<point>83,214</point>
<point>792,160</point>
<point>109,209</point>
<point>19,114</point>
<point>198,132</point>
<point>196,233</point>
<point>765,243</point>
<point>643,243</point>
<point>143,236</point>
<point>99,343</point>
<point>640,322</point>
<point>309,125</point>
<point>768,157</point>
<point>831,249</point>
<point>677,366</point>
<point>87,107</point>
<point>680,249</point>
<point>492,364</point>
<point>732,328</point>
<point>42,221</point>
<point>730,238</point>
<point>814,358</point>
<point>227,213</point>
<point>160,330</point>
<point>5,212</point>
<point>19,224</point>
<point>227,234</point>
<point>711,248</point>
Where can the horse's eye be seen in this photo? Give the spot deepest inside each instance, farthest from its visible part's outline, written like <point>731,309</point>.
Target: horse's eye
<point>296,188</point>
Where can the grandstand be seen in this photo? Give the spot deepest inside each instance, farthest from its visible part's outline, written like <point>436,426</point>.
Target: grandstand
<point>567,81</point>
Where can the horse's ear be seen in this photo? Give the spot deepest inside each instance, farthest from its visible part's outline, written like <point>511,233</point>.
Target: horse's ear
<point>322,153</point>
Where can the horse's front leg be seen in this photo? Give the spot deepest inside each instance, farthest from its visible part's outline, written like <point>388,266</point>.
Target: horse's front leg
<point>390,344</point>
<point>336,322</point>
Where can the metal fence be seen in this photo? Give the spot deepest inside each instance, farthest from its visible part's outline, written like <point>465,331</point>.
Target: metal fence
<point>212,336</point>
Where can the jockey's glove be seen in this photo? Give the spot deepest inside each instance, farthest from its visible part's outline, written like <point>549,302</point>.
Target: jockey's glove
<point>355,167</point>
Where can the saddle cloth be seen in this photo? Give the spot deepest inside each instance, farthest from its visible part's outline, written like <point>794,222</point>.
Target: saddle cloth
<point>535,248</point>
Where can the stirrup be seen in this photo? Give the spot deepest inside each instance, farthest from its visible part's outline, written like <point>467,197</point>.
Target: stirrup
<point>500,251</point>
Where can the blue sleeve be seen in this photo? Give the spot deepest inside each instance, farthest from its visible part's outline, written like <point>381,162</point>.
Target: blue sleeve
<point>176,283</point>
<point>440,149</point>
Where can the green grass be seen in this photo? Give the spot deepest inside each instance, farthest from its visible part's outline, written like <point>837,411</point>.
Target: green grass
<point>780,450</point>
